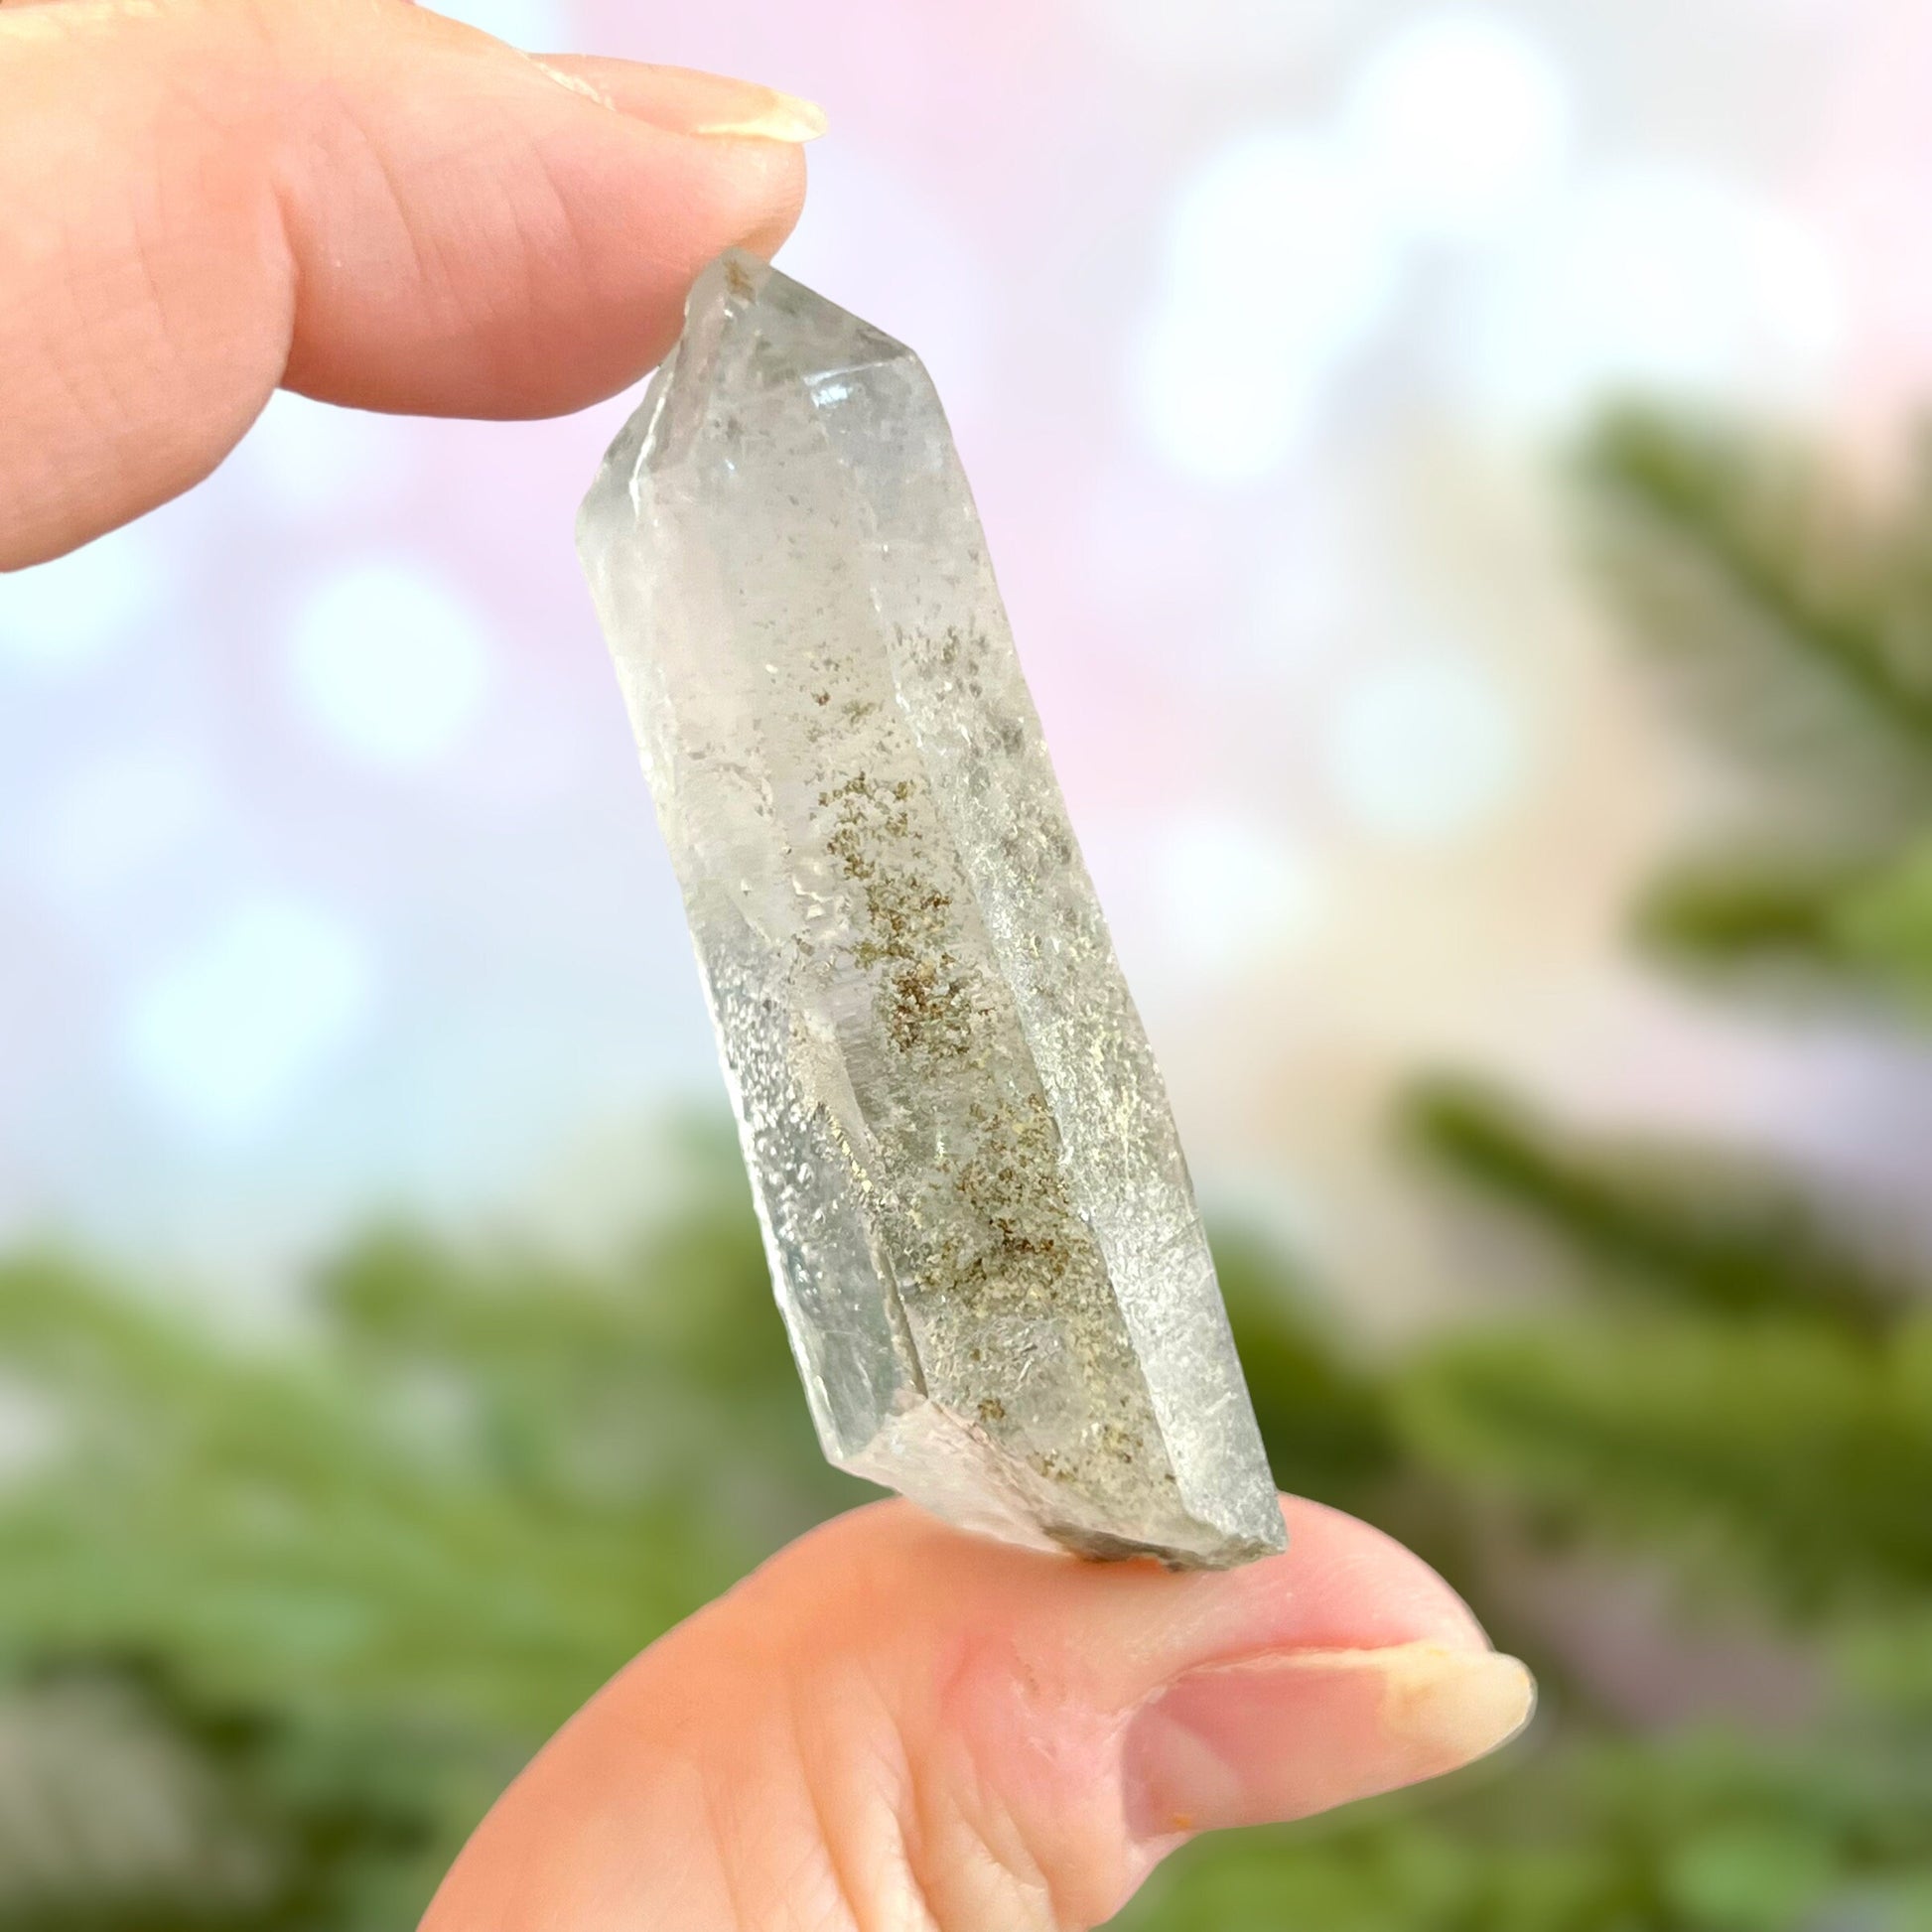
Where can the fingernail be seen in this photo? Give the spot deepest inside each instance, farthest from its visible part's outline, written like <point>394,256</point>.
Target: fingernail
<point>681,100</point>
<point>777,117</point>
<point>1281,1738</point>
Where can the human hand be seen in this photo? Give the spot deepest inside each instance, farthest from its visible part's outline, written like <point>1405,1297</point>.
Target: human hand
<point>891,1725</point>
<point>201,200</point>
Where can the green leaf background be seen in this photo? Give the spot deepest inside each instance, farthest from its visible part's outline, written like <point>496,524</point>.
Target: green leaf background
<point>282,1610</point>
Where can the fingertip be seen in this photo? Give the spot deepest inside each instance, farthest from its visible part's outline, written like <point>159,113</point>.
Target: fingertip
<point>684,100</point>
<point>1281,1738</point>
<point>1122,1629</point>
<point>940,1718</point>
<point>493,243</point>
<point>1115,1708</point>
<point>366,201</point>
<point>1357,1583</point>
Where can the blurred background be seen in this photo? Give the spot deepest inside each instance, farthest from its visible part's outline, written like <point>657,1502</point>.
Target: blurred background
<point>1455,474</point>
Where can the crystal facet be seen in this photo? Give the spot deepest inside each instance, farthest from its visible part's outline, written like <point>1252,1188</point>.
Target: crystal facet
<point>980,1224</point>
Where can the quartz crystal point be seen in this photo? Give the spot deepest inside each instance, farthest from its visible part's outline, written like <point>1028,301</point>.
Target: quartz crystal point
<point>979,1221</point>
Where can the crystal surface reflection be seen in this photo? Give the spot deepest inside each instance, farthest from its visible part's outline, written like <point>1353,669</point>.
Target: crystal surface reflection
<point>980,1224</point>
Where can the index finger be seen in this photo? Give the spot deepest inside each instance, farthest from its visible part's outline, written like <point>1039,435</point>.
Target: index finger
<point>201,200</point>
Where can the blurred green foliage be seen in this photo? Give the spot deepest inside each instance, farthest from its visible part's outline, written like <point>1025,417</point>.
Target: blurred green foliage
<point>282,1609</point>
<point>1795,618</point>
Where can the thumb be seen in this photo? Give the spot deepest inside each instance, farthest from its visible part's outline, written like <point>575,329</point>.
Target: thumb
<point>202,199</point>
<point>893,1725</point>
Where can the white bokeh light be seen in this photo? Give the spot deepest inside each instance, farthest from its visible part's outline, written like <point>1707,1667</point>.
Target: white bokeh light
<point>66,614</point>
<point>1232,893</point>
<point>1303,597</point>
<point>390,664</point>
<point>1425,749</point>
<point>309,459</point>
<point>226,1037</point>
<point>539,25</point>
<point>1215,36</point>
<point>1278,267</point>
<point>1460,121</point>
<point>119,817</point>
<point>1662,277</point>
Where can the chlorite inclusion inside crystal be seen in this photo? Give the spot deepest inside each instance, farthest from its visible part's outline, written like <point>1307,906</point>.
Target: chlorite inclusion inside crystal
<point>980,1224</point>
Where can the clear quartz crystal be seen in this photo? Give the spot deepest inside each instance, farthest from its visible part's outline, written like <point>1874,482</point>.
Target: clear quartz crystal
<point>979,1220</point>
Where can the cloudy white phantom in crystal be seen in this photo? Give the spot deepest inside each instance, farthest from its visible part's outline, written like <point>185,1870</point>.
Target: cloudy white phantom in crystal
<point>980,1224</point>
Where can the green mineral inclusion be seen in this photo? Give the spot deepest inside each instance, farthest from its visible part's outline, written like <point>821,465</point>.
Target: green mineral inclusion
<point>980,1224</point>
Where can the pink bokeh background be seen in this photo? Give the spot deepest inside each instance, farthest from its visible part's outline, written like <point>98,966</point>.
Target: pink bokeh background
<point>327,883</point>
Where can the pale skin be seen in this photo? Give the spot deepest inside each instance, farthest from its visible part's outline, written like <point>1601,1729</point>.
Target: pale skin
<point>890,1726</point>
